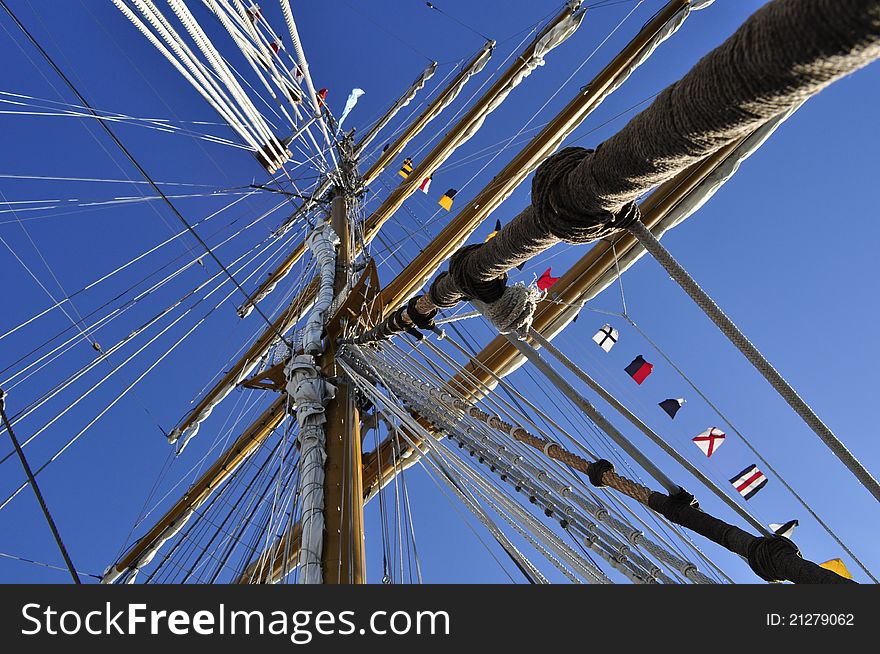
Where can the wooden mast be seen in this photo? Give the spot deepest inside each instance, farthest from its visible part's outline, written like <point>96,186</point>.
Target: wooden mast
<point>382,465</point>
<point>574,113</point>
<point>377,470</point>
<point>343,559</point>
<point>557,31</point>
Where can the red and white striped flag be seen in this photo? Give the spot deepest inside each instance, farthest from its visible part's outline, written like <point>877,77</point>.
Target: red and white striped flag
<point>749,482</point>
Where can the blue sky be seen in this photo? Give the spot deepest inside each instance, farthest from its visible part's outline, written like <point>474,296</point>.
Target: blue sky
<point>787,247</point>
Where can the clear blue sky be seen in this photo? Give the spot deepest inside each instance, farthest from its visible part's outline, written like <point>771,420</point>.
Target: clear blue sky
<point>788,248</point>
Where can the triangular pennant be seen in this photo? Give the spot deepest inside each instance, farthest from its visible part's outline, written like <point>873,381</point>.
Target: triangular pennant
<point>350,102</point>
<point>546,280</point>
<point>639,369</point>
<point>709,440</point>
<point>672,406</point>
<point>786,529</point>
<point>836,565</point>
<point>749,481</point>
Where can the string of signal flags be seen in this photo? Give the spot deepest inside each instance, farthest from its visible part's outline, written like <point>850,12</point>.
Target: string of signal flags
<point>445,200</point>
<point>747,482</point>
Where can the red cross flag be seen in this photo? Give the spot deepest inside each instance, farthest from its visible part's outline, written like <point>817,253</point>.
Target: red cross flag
<point>710,440</point>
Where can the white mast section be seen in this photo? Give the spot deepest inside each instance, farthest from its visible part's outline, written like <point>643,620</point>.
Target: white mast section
<point>309,393</point>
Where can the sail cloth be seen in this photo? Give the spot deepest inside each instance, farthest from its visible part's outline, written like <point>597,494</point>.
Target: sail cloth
<point>691,203</point>
<point>580,195</point>
<point>350,102</point>
<point>550,39</point>
<point>645,43</point>
<point>402,102</point>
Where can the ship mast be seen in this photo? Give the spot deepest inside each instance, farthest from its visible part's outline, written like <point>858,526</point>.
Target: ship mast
<point>343,557</point>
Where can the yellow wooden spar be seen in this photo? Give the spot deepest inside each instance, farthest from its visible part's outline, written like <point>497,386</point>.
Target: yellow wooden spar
<point>557,31</point>
<point>499,357</point>
<point>412,278</point>
<point>562,26</point>
<point>454,235</point>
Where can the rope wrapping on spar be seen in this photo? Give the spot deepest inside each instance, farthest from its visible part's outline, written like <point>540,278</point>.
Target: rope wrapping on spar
<point>772,558</point>
<point>786,52</point>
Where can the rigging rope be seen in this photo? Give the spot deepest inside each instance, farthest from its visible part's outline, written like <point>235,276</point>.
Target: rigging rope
<point>744,345</point>
<point>36,489</point>
<point>127,153</point>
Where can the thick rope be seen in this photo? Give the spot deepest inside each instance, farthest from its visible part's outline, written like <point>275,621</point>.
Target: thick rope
<point>733,333</point>
<point>33,482</point>
<point>772,558</point>
<point>786,52</point>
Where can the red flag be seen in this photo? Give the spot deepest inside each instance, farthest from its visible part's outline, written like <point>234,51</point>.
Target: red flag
<point>322,95</point>
<point>276,46</point>
<point>639,369</point>
<point>546,280</point>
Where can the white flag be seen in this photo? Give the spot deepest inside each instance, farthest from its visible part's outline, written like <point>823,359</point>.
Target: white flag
<point>606,337</point>
<point>349,104</point>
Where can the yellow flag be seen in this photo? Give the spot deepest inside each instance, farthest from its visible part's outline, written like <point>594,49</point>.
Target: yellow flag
<point>446,199</point>
<point>494,231</point>
<point>406,168</point>
<point>836,565</point>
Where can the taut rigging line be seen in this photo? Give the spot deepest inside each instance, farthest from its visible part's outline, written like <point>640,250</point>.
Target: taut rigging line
<point>130,157</point>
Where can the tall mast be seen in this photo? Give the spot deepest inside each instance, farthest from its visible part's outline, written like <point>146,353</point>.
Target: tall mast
<point>343,557</point>
<point>499,357</point>
<point>433,110</point>
<point>556,32</point>
<point>562,26</point>
<point>661,27</point>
